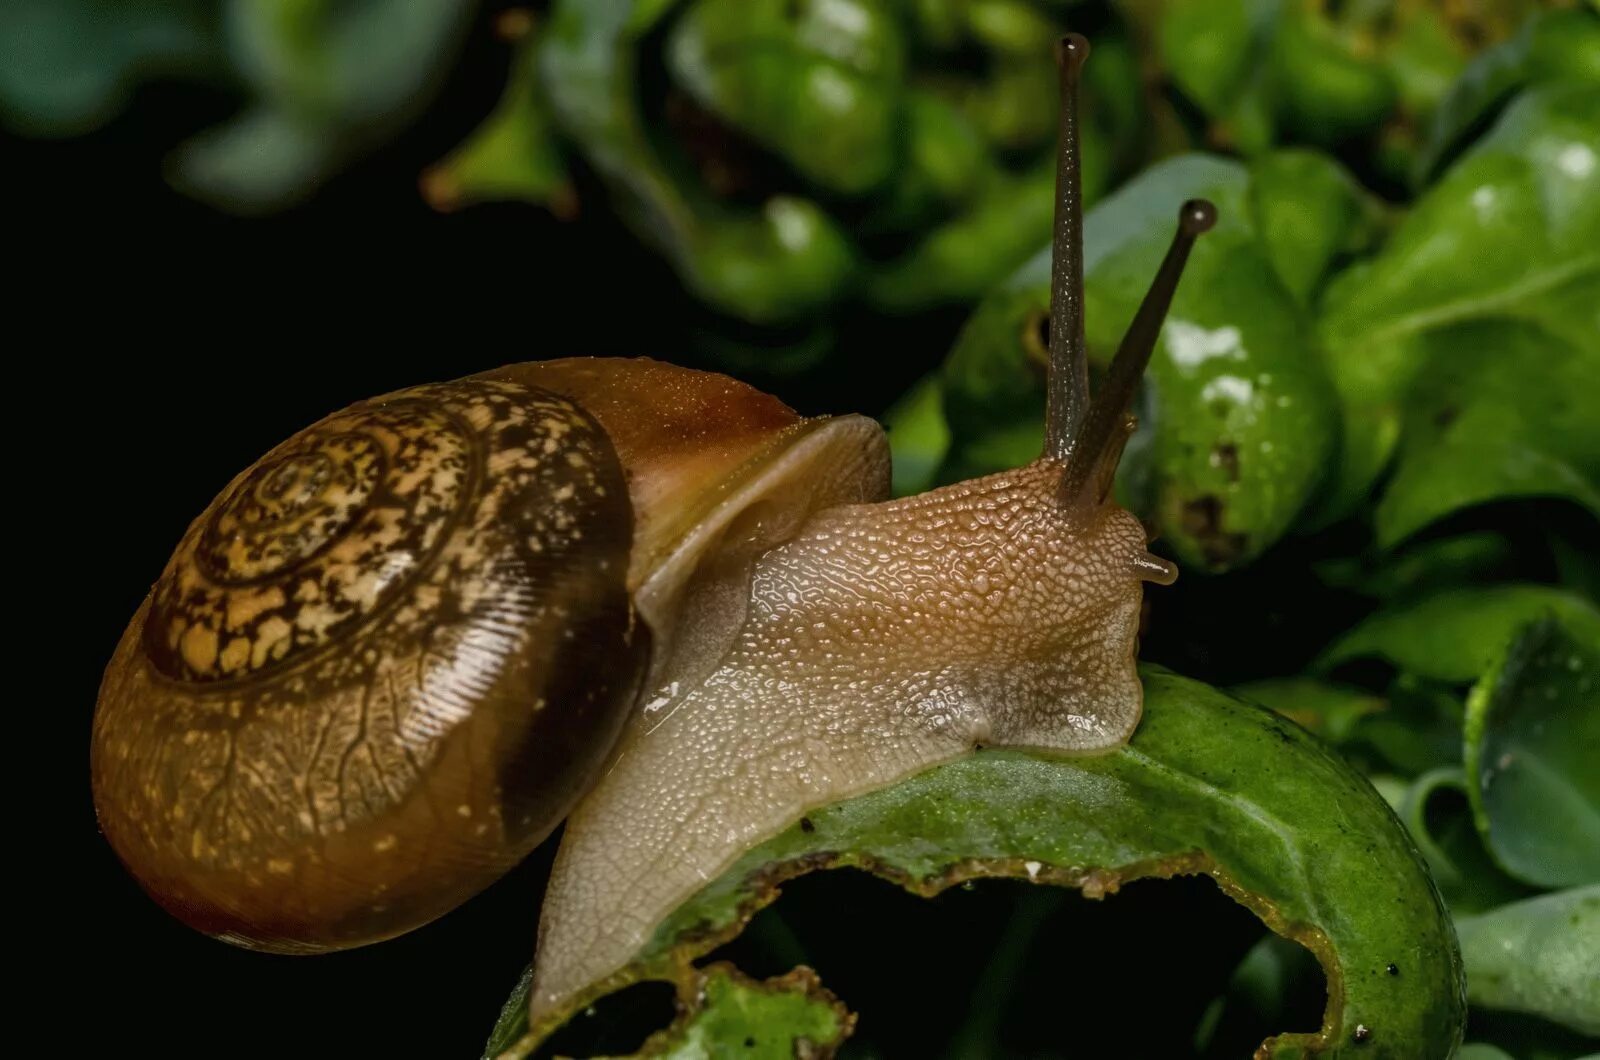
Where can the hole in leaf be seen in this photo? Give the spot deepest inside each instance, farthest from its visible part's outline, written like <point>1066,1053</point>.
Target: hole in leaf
<point>1009,968</point>
<point>616,1025</point>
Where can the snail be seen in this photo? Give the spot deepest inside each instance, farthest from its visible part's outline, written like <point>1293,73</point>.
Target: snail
<point>392,656</point>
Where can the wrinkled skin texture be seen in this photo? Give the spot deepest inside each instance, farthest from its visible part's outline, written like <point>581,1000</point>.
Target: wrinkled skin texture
<point>883,639</point>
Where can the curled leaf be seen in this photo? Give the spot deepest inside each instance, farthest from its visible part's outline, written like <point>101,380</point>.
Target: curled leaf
<point>1533,745</point>
<point>1207,786</point>
<point>1439,816</point>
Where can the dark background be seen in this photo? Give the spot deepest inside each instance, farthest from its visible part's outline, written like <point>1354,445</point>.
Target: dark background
<point>164,346</point>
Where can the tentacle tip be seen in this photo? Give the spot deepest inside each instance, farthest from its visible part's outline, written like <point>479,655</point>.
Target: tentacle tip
<point>1072,50</point>
<point>1152,568</point>
<point>1196,217</point>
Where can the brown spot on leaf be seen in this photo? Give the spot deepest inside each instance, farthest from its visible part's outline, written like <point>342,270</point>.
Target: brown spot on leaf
<point>1226,456</point>
<point>1202,520</point>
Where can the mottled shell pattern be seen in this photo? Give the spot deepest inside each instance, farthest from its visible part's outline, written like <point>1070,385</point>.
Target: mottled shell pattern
<point>394,653</point>
<point>377,670</point>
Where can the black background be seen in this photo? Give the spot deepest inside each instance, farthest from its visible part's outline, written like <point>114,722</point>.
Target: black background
<point>160,347</point>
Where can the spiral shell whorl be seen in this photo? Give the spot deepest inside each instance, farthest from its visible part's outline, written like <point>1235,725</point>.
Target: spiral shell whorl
<point>315,538</point>
<point>377,671</point>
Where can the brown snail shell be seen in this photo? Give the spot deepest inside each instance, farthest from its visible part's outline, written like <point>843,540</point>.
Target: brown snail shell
<point>392,655</point>
<point>377,671</point>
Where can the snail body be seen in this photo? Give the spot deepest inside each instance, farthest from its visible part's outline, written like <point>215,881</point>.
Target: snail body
<point>393,655</point>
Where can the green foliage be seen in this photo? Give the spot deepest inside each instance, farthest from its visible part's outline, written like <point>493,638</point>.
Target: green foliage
<point>1532,741</point>
<point>1497,262</point>
<point>322,81</point>
<point>1208,785</point>
<point>1370,431</point>
<point>1538,957</point>
<point>1453,636</point>
<point>66,68</point>
<point>1240,417</point>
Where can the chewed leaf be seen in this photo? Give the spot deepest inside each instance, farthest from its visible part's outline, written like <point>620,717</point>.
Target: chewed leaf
<point>1455,635</point>
<point>1208,786</point>
<point>1538,957</point>
<point>789,1016</point>
<point>1533,755</point>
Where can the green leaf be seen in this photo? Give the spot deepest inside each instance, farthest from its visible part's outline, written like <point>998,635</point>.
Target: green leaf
<point>1423,567</point>
<point>781,1018</point>
<point>1267,71</point>
<point>1551,46</point>
<point>328,81</point>
<point>1509,234</point>
<point>819,84</point>
<point>1500,409</point>
<point>1262,989</point>
<point>1533,753</point>
<point>1420,730</point>
<point>1239,417</point>
<point>1455,635</point>
<point>1208,785</point>
<point>514,154</point>
<point>1308,212</point>
<point>1439,816</point>
<point>67,66</point>
<point>1481,1051</point>
<point>1206,47</point>
<point>1329,710</point>
<point>1538,957</point>
<point>773,264</point>
<point>958,260</point>
<point>918,436</point>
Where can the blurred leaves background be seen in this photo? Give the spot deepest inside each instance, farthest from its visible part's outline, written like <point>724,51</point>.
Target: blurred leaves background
<point>1370,435</point>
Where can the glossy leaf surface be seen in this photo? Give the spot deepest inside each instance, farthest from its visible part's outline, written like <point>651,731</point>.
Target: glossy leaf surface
<point>1208,785</point>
